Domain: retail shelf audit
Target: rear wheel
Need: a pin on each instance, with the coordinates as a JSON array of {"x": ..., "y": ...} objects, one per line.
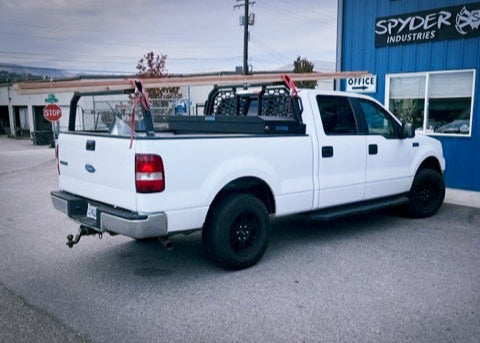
[
  {"x": 237, "y": 232},
  {"x": 427, "y": 193}
]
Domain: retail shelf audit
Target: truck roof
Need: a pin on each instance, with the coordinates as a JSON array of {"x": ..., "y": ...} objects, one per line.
[{"x": 306, "y": 92}]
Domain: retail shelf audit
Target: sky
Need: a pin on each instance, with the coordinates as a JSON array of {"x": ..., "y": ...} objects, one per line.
[{"x": 197, "y": 36}]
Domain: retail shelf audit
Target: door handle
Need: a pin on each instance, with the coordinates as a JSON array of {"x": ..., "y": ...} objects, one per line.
[
  {"x": 327, "y": 151},
  {"x": 372, "y": 149},
  {"x": 90, "y": 145}
]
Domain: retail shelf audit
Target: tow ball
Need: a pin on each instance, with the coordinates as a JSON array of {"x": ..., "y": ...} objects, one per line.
[{"x": 82, "y": 231}]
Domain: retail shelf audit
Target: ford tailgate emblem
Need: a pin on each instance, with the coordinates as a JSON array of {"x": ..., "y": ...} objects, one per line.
[{"x": 90, "y": 168}]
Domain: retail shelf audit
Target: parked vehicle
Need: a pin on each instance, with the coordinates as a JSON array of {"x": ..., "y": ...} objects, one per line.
[
  {"x": 325, "y": 154},
  {"x": 457, "y": 126}
]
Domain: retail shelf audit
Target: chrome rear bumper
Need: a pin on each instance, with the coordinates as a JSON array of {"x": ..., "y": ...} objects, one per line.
[{"x": 109, "y": 218}]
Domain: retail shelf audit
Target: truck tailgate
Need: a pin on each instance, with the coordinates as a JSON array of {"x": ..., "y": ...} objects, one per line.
[{"x": 99, "y": 168}]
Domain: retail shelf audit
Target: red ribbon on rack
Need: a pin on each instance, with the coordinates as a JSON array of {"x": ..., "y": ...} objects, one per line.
[
  {"x": 290, "y": 84},
  {"x": 140, "y": 98}
]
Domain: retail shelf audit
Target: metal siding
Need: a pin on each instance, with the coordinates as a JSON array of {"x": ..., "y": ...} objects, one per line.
[{"x": 359, "y": 53}]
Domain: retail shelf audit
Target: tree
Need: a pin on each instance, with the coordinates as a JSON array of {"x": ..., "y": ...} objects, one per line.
[
  {"x": 302, "y": 65},
  {"x": 152, "y": 65},
  {"x": 8, "y": 77}
]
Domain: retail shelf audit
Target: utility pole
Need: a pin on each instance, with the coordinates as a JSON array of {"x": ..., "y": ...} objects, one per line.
[
  {"x": 247, "y": 20},
  {"x": 245, "y": 40}
]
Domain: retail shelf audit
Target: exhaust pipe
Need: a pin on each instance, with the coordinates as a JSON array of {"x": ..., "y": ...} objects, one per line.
[{"x": 166, "y": 242}]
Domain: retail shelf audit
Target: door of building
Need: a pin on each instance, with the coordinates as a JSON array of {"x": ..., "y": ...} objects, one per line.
[{"x": 43, "y": 133}]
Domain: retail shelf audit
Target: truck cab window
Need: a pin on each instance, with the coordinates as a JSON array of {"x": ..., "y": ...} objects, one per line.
[
  {"x": 378, "y": 121},
  {"x": 337, "y": 115}
]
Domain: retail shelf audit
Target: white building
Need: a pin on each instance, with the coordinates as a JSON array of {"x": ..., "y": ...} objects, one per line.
[{"x": 22, "y": 115}]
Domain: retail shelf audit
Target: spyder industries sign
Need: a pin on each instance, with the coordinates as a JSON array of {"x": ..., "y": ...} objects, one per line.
[{"x": 453, "y": 22}]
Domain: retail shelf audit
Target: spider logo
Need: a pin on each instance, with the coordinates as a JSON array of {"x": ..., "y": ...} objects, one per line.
[{"x": 467, "y": 18}]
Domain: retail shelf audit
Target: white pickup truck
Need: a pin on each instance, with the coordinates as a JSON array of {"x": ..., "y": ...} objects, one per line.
[{"x": 251, "y": 157}]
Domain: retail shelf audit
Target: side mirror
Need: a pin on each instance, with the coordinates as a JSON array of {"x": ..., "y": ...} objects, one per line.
[{"x": 408, "y": 131}]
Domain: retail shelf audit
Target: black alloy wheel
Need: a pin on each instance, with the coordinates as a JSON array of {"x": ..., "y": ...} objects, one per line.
[
  {"x": 237, "y": 231},
  {"x": 427, "y": 193},
  {"x": 244, "y": 232}
]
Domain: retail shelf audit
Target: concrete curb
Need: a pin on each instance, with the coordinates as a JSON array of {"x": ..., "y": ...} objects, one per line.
[{"x": 462, "y": 197}]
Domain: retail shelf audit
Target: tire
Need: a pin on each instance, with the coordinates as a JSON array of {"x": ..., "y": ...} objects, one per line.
[
  {"x": 237, "y": 232},
  {"x": 427, "y": 193}
]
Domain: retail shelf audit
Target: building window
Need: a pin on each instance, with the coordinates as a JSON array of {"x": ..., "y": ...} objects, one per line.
[
  {"x": 407, "y": 99},
  {"x": 436, "y": 103}
]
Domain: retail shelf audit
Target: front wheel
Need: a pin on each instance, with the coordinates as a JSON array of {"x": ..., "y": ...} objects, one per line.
[
  {"x": 427, "y": 193},
  {"x": 237, "y": 231}
]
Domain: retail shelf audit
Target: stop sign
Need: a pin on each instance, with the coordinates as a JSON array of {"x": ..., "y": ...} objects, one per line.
[{"x": 52, "y": 112}]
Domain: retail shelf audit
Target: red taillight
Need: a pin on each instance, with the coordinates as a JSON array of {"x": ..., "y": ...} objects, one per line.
[
  {"x": 57, "y": 158},
  {"x": 149, "y": 174}
]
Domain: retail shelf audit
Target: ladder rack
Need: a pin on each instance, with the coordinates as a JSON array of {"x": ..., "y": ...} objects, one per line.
[{"x": 124, "y": 84}]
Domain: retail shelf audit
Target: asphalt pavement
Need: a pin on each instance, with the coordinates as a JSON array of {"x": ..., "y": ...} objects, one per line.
[
  {"x": 21, "y": 154},
  {"x": 372, "y": 278}
]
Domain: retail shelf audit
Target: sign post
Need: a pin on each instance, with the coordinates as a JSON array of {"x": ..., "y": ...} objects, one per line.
[{"x": 52, "y": 112}]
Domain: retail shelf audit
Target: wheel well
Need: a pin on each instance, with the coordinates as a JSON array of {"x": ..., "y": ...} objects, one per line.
[
  {"x": 431, "y": 163},
  {"x": 251, "y": 185}
]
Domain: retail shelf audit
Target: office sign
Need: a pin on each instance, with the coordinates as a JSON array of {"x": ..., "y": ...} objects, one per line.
[
  {"x": 364, "y": 84},
  {"x": 444, "y": 23}
]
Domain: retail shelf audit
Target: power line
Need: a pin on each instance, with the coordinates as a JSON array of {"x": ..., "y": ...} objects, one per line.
[
  {"x": 290, "y": 13},
  {"x": 103, "y": 43},
  {"x": 257, "y": 39},
  {"x": 127, "y": 59},
  {"x": 310, "y": 9},
  {"x": 157, "y": 33},
  {"x": 279, "y": 10},
  {"x": 55, "y": 28},
  {"x": 266, "y": 49}
]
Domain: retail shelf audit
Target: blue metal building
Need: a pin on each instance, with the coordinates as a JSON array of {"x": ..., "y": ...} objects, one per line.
[{"x": 426, "y": 55}]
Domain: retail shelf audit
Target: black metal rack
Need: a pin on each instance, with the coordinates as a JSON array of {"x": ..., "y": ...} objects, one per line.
[
  {"x": 269, "y": 109},
  {"x": 256, "y": 109}
]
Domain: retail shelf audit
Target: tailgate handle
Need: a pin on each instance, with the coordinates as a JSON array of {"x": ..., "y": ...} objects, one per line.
[{"x": 90, "y": 145}]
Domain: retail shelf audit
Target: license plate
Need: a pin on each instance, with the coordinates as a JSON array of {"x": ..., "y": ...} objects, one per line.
[{"x": 92, "y": 212}]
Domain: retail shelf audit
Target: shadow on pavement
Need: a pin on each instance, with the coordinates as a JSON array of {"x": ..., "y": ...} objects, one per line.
[{"x": 148, "y": 260}]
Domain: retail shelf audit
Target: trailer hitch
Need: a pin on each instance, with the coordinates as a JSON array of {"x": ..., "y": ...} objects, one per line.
[{"x": 82, "y": 231}]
